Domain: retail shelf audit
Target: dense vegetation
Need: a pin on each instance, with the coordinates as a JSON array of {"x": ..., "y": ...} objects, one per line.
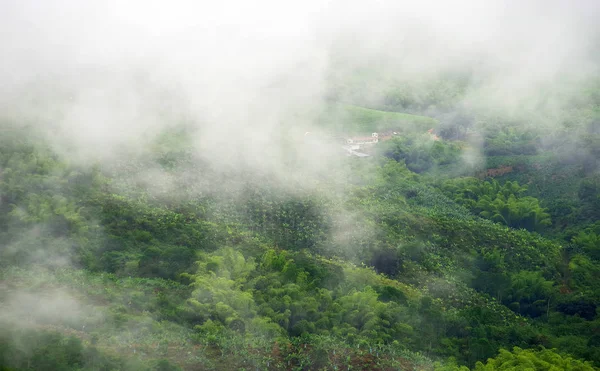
[{"x": 415, "y": 258}]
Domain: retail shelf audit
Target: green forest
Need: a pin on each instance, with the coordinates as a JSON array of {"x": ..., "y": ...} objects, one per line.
[
  {"x": 330, "y": 187},
  {"x": 410, "y": 259}
]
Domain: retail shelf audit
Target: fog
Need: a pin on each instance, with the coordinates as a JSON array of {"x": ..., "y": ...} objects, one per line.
[
  {"x": 98, "y": 75},
  {"x": 101, "y": 79}
]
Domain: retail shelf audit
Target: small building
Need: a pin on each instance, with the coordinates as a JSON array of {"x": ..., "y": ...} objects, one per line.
[{"x": 358, "y": 141}]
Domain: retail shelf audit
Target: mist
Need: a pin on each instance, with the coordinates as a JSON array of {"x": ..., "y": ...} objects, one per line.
[
  {"x": 240, "y": 83},
  {"x": 101, "y": 75}
]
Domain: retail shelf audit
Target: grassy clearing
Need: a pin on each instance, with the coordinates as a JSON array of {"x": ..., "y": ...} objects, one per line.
[{"x": 354, "y": 119}]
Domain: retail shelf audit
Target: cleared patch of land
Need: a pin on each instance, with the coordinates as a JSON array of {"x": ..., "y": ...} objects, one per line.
[{"x": 355, "y": 119}]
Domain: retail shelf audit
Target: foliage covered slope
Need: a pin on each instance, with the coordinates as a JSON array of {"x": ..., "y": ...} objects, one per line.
[{"x": 392, "y": 273}]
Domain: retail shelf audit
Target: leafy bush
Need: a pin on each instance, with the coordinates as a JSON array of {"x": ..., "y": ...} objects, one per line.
[{"x": 420, "y": 153}]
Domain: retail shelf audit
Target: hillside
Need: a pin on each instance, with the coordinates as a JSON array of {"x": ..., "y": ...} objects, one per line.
[
  {"x": 302, "y": 186},
  {"x": 396, "y": 271}
]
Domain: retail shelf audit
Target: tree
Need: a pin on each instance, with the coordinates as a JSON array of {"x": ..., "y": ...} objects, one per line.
[
  {"x": 534, "y": 360},
  {"x": 503, "y": 204},
  {"x": 530, "y": 293}
]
